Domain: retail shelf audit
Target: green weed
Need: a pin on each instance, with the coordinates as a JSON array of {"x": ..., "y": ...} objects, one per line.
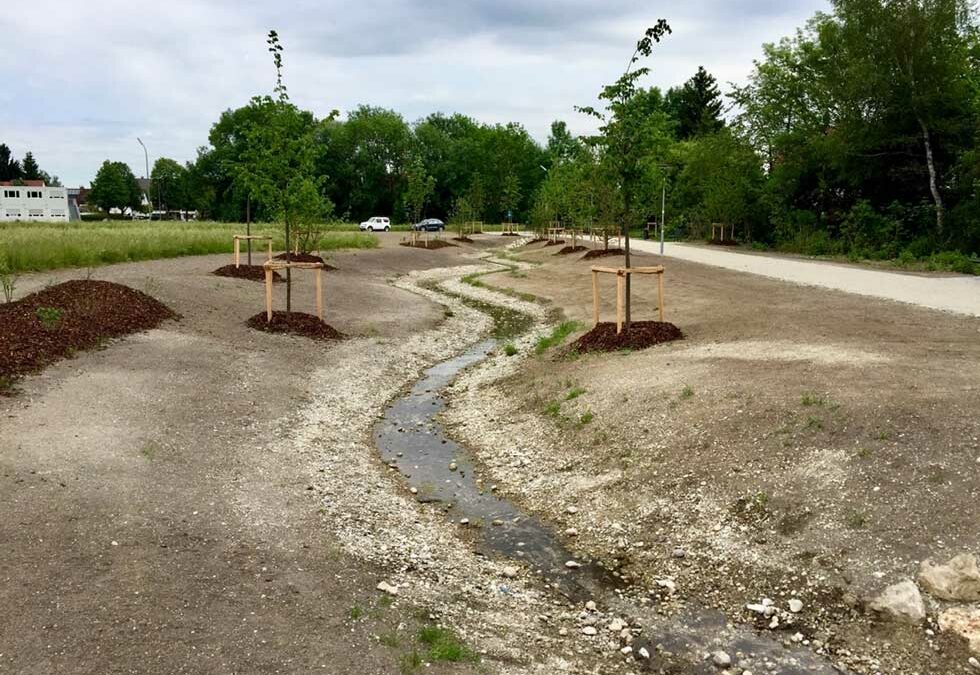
[
  {"x": 586, "y": 418},
  {"x": 686, "y": 392},
  {"x": 49, "y": 317},
  {"x": 811, "y": 399},
  {"x": 510, "y": 350},
  {"x": 557, "y": 336},
  {"x": 574, "y": 393},
  {"x": 356, "y": 613},
  {"x": 445, "y": 645},
  {"x": 553, "y": 409}
]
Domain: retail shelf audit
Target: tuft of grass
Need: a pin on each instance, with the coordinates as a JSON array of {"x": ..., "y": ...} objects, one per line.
[
  {"x": 356, "y": 613},
  {"x": 510, "y": 350},
  {"x": 445, "y": 645},
  {"x": 49, "y": 317},
  {"x": 389, "y": 640},
  {"x": 574, "y": 393},
  {"x": 6, "y": 385},
  {"x": 864, "y": 453},
  {"x": 809, "y": 399},
  {"x": 553, "y": 409},
  {"x": 586, "y": 418},
  {"x": 557, "y": 336},
  {"x": 686, "y": 392},
  {"x": 855, "y": 519},
  {"x": 386, "y": 601},
  {"x": 410, "y": 662},
  {"x": 814, "y": 423}
]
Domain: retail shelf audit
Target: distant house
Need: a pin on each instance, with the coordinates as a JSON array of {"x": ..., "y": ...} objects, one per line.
[{"x": 32, "y": 200}]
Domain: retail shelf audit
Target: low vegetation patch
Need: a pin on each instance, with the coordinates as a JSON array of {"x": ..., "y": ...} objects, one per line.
[
  {"x": 61, "y": 320},
  {"x": 47, "y": 246},
  {"x": 444, "y": 645},
  {"x": 557, "y": 336}
]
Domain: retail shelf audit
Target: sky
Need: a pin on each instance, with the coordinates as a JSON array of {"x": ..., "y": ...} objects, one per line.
[{"x": 85, "y": 79}]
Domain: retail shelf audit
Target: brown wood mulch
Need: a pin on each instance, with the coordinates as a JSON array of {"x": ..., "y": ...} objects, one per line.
[
  {"x": 249, "y": 272},
  {"x": 56, "y": 322},
  {"x": 465, "y": 240},
  {"x": 602, "y": 253},
  {"x": 642, "y": 334},
  {"x": 509, "y": 234},
  {"x": 537, "y": 240},
  {"x": 571, "y": 249},
  {"x": 295, "y": 323},
  {"x": 555, "y": 243},
  {"x": 432, "y": 244}
]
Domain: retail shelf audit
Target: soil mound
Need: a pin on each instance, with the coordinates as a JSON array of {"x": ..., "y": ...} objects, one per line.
[
  {"x": 249, "y": 272},
  {"x": 431, "y": 244},
  {"x": 602, "y": 253},
  {"x": 295, "y": 323},
  {"x": 509, "y": 234},
  {"x": 306, "y": 258},
  {"x": 536, "y": 240},
  {"x": 555, "y": 243},
  {"x": 466, "y": 240},
  {"x": 52, "y": 324},
  {"x": 571, "y": 249},
  {"x": 642, "y": 334}
]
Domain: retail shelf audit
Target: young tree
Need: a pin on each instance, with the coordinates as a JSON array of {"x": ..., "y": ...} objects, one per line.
[
  {"x": 277, "y": 160},
  {"x": 624, "y": 131},
  {"x": 115, "y": 187},
  {"x": 510, "y": 196},
  {"x": 418, "y": 189}
]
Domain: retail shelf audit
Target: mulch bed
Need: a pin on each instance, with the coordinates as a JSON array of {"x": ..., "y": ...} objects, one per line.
[
  {"x": 555, "y": 243},
  {"x": 250, "y": 272},
  {"x": 538, "y": 240},
  {"x": 432, "y": 244},
  {"x": 602, "y": 253},
  {"x": 642, "y": 334},
  {"x": 466, "y": 240},
  {"x": 509, "y": 234},
  {"x": 80, "y": 315},
  {"x": 295, "y": 323},
  {"x": 301, "y": 257},
  {"x": 571, "y": 249}
]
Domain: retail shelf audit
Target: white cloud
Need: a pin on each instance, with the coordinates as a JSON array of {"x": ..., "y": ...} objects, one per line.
[{"x": 90, "y": 77}]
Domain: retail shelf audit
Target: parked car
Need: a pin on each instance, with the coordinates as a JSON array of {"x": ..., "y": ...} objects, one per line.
[
  {"x": 376, "y": 224},
  {"x": 430, "y": 225}
]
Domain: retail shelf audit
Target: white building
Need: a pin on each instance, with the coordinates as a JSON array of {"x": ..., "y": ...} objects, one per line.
[{"x": 33, "y": 201}]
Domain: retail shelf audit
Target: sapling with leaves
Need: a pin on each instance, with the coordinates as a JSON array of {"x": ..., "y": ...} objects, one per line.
[
  {"x": 277, "y": 165},
  {"x": 623, "y": 133}
]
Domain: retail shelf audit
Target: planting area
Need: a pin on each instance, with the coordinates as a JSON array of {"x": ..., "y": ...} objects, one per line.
[{"x": 205, "y": 497}]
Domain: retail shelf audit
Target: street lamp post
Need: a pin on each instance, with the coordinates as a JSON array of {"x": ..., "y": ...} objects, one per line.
[{"x": 146, "y": 158}]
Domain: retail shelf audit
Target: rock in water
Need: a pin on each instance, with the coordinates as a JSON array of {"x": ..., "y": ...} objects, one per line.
[
  {"x": 901, "y": 601},
  {"x": 958, "y": 579},
  {"x": 721, "y": 659},
  {"x": 964, "y": 621}
]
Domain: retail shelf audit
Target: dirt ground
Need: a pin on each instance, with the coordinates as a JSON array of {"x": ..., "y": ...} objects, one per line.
[
  {"x": 207, "y": 498},
  {"x": 798, "y": 442},
  {"x": 147, "y": 528}
]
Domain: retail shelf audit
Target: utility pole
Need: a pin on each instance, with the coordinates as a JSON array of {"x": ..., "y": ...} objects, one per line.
[
  {"x": 663, "y": 214},
  {"x": 146, "y": 158}
]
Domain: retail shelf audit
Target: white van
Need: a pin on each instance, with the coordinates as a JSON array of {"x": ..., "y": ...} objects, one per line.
[{"x": 377, "y": 223}]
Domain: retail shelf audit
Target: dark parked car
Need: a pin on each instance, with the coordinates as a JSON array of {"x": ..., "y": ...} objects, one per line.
[{"x": 430, "y": 225}]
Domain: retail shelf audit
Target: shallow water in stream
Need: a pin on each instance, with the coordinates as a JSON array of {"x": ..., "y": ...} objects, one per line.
[{"x": 411, "y": 439}]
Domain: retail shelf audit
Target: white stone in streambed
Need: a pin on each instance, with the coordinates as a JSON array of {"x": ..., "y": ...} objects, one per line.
[
  {"x": 572, "y": 564},
  {"x": 964, "y": 621},
  {"x": 902, "y": 602},
  {"x": 958, "y": 579},
  {"x": 510, "y": 572},
  {"x": 589, "y": 630},
  {"x": 795, "y": 605},
  {"x": 721, "y": 659},
  {"x": 385, "y": 587}
]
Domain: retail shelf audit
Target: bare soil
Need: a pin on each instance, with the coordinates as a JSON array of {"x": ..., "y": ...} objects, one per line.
[{"x": 799, "y": 442}]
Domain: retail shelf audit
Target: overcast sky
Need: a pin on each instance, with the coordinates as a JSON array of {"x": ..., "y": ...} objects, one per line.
[{"x": 84, "y": 79}]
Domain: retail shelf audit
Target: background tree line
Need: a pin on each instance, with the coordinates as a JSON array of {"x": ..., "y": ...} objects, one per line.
[
  {"x": 14, "y": 170},
  {"x": 858, "y": 135}
]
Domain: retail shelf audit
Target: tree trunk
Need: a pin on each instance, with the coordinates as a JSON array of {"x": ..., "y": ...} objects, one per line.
[
  {"x": 933, "y": 187},
  {"x": 289, "y": 275}
]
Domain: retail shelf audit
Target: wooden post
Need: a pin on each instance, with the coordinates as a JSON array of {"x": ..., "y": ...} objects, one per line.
[
  {"x": 660, "y": 295},
  {"x": 595, "y": 298},
  {"x": 268, "y": 295},
  {"x": 270, "y": 248},
  {"x": 319, "y": 295},
  {"x": 238, "y": 248},
  {"x": 620, "y": 299}
]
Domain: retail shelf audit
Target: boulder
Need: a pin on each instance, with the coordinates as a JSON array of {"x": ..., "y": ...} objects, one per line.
[
  {"x": 958, "y": 579},
  {"x": 901, "y": 601},
  {"x": 964, "y": 621}
]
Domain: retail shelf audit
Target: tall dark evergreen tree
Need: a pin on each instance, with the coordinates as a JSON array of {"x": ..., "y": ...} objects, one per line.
[
  {"x": 31, "y": 170},
  {"x": 697, "y": 106},
  {"x": 10, "y": 168}
]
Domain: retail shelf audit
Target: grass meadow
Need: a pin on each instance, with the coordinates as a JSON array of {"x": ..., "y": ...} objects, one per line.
[{"x": 27, "y": 247}]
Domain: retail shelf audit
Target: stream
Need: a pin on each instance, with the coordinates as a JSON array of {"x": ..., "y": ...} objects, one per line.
[{"x": 442, "y": 473}]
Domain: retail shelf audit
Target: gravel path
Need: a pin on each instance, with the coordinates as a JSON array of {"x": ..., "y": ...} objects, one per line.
[{"x": 960, "y": 294}]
